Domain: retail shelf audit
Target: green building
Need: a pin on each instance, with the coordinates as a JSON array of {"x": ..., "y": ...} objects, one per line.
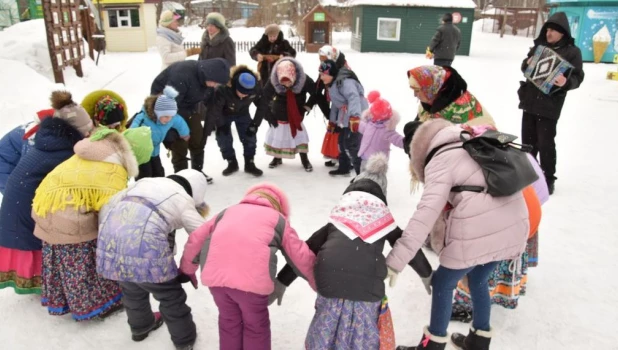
[
  {"x": 590, "y": 18},
  {"x": 406, "y": 25}
]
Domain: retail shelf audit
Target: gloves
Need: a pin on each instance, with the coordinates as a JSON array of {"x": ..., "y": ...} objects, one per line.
[
  {"x": 427, "y": 283},
  {"x": 428, "y": 54},
  {"x": 193, "y": 51},
  {"x": 331, "y": 127},
  {"x": 224, "y": 129},
  {"x": 277, "y": 294},
  {"x": 273, "y": 123},
  {"x": 182, "y": 278},
  {"x": 354, "y": 123},
  {"x": 251, "y": 130},
  {"x": 391, "y": 275}
]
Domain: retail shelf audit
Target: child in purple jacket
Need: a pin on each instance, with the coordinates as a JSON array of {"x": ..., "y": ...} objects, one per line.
[{"x": 378, "y": 125}]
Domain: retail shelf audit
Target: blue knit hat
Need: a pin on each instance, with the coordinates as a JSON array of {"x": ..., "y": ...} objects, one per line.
[
  {"x": 246, "y": 83},
  {"x": 166, "y": 103}
]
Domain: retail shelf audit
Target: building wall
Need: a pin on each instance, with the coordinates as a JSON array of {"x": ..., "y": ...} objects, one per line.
[
  {"x": 356, "y": 27},
  {"x": 126, "y": 39},
  {"x": 151, "y": 22},
  {"x": 418, "y": 25}
]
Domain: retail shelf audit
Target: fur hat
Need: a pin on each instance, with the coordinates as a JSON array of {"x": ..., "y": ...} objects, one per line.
[
  {"x": 286, "y": 70},
  {"x": 167, "y": 17},
  {"x": 376, "y": 169},
  {"x": 379, "y": 108},
  {"x": 74, "y": 114},
  {"x": 270, "y": 195},
  {"x": 165, "y": 106},
  {"x": 272, "y": 29},
  {"x": 216, "y": 19}
]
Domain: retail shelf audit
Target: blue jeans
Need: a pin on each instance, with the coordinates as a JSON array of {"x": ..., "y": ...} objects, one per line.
[
  {"x": 226, "y": 140},
  {"x": 349, "y": 144},
  {"x": 443, "y": 284}
]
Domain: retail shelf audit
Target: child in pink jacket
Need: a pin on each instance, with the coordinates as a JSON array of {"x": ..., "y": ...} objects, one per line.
[
  {"x": 236, "y": 250},
  {"x": 378, "y": 125}
]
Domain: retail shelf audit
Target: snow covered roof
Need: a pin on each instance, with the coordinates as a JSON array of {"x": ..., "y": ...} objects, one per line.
[
  {"x": 416, "y": 3},
  {"x": 335, "y": 3},
  {"x": 238, "y": 2},
  {"x": 172, "y": 5}
]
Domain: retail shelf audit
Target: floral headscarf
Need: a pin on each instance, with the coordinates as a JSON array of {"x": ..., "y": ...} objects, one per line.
[
  {"x": 429, "y": 79},
  {"x": 108, "y": 111}
]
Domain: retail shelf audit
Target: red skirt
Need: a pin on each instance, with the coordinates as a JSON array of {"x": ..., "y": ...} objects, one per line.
[{"x": 21, "y": 269}]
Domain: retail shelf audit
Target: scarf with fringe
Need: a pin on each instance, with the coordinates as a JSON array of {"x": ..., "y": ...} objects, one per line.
[{"x": 79, "y": 183}]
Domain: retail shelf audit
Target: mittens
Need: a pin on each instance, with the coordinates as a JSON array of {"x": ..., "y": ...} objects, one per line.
[
  {"x": 193, "y": 51},
  {"x": 427, "y": 283},
  {"x": 252, "y": 129},
  {"x": 182, "y": 278},
  {"x": 354, "y": 123},
  {"x": 277, "y": 294},
  {"x": 428, "y": 54},
  {"x": 391, "y": 276},
  {"x": 331, "y": 127}
]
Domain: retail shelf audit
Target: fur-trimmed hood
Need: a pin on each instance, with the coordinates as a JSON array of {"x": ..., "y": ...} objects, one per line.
[
  {"x": 114, "y": 148},
  {"x": 300, "y": 77},
  {"x": 238, "y": 70},
  {"x": 149, "y": 104},
  {"x": 269, "y": 195},
  {"x": 217, "y": 39},
  {"x": 430, "y": 134}
]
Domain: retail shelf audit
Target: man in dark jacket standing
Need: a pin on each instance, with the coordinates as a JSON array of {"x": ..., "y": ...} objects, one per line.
[
  {"x": 231, "y": 105},
  {"x": 192, "y": 80},
  {"x": 541, "y": 111},
  {"x": 445, "y": 42},
  {"x": 271, "y": 44}
]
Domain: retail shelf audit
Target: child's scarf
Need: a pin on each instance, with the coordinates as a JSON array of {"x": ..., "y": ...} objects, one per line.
[
  {"x": 294, "y": 117},
  {"x": 362, "y": 215}
]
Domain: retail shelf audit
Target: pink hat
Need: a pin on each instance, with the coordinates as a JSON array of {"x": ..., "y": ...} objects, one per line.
[
  {"x": 271, "y": 195},
  {"x": 286, "y": 70},
  {"x": 380, "y": 108}
]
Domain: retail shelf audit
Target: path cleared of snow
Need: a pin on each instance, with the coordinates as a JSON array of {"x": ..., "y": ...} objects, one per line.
[{"x": 571, "y": 298}]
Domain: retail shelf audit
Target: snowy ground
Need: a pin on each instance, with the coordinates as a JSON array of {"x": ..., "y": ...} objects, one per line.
[{"x": 571, "y": 301}]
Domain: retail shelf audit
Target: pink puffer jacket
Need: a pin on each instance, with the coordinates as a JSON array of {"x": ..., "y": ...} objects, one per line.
[{"x": 479, "y": 228}]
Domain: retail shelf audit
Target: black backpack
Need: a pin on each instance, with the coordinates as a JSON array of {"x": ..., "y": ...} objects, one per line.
[{"x": 505, "y": 164}]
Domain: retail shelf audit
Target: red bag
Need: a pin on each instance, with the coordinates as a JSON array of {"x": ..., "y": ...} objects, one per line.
[
  {"x": 385, "y": 326},
  {"x": 330, "y": 146}
]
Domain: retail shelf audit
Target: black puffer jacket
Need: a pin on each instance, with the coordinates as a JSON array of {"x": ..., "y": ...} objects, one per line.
[
  {"x": 445, "y": 42},
  {"x": 227, "y": 103},
  {"x": 531, "y": 99},
  {"x": 352, "y": 269},
  {"x": 189, "y": 79},
  {"x": 274, "y": 96},
  {"x": 265, "y": 47}
]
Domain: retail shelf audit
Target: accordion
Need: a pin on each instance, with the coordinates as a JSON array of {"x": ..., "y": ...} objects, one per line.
[{"x": 544, "y": 67}]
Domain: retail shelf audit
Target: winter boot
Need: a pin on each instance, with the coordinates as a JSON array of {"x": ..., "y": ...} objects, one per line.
[
  {"x": 475, "y": 340},
  {"x": 550, "y": 184},
  {"x": 111, "y": 311},
  {"x": 275, "y": 163},
  {"x": 304, "y": 158},
  {"x": 250, "y": 167},
  {"x": 330, "y": 163},
  {"x": 143, "y": 335},
  {"x": 339, "y": 172},
  {"x": 232, "y": 167},
  {"x": 429, "y": 342},
  {"x": 197, "y": 163},
  {"x": 185, "y": 347},
  {"x": 461, "y": 316}
]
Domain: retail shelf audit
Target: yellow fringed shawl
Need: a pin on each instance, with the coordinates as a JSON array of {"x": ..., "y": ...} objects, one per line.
[{"x": 78, "y": 182}]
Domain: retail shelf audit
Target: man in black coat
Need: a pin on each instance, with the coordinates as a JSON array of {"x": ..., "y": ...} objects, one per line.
[
  {"x": 272, "y": 43},
  {"x": 541, "y": 111},
  {"x": 445, "y": 42},
  {"x": 231, "y": 105},
  {"x": 192, "y": 80}
]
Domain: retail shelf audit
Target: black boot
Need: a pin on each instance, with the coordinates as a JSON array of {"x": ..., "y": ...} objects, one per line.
[
  {"x": 158, "y": 322},
  {"x": 475, "y": 340},
  {"x": 330, "y": 163},
  {"x": 429, "y": 342},
  {"x": 304, "y": 158},
  {"x": 464, "y": 316},
  {"x": 250, "y": 167},
  {"x": 275, "y": 163},
  {"x": 197, "y": 163},
  {"x": 339, "y": 172},
  {"x": 232, "y": 167}
]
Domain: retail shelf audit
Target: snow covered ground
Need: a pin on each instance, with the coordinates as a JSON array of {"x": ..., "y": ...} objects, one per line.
[{"x": 571, "y": 301}]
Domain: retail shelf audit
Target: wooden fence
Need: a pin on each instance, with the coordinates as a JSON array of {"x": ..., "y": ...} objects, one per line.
[{"x": 245, "y": 46}]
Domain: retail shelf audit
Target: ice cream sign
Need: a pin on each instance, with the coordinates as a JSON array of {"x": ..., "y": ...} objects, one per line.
[{"x": 600, "y": 42}]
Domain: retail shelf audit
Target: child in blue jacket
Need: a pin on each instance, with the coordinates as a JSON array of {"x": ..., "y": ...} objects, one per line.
[{"x": 160, "y": 114}]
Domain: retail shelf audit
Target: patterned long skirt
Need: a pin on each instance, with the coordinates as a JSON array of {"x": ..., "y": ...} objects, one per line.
[
  {"x": 71, "y": 283},
  {"x": 344, "y": 324},
  {"x": 21, "y": 270},
  {"x": 280, "y": 143}
]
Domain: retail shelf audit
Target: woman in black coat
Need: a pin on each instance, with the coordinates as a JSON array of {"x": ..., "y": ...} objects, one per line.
[{"x": 272, "y": 43}]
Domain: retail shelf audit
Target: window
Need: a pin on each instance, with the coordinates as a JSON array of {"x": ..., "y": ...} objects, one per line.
[
  {"x": 389, "y": 29},
  {"x": 123, "y": 18}
]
